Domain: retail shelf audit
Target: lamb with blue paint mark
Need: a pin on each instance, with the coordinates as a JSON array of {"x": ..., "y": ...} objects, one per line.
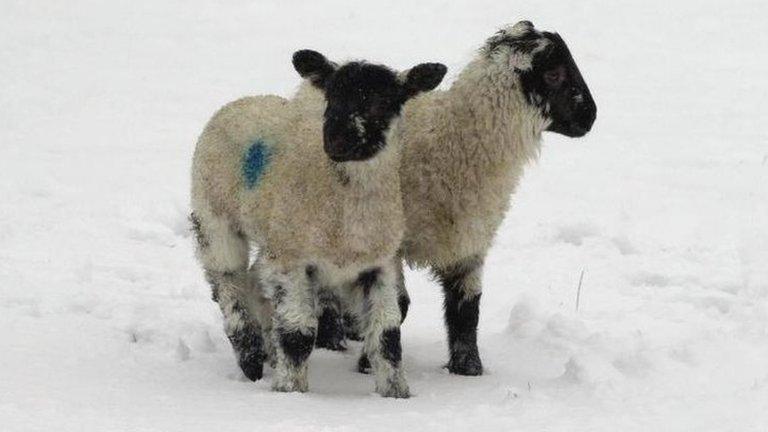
[{"x": 319, "y": 196}]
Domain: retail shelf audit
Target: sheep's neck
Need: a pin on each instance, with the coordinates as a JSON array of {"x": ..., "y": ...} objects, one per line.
[
  {"x": 503, "y": 131},
  {"x": 371, "y": 217}
]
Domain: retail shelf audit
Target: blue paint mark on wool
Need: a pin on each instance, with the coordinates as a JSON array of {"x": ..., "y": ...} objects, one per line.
[{"x": 255, "y": 162}]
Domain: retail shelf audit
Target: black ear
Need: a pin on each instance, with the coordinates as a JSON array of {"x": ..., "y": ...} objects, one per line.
[
  {"x": 423, "y": 77},
  {"x": 313, "y": 66}
]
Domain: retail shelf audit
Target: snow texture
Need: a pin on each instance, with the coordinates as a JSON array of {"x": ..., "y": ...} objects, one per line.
[{"x": 106, "y": 322}]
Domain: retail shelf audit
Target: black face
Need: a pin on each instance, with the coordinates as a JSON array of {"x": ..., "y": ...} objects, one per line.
[
  {"x": 363, "y": 100},
  {"x": 554, "y": 83}
]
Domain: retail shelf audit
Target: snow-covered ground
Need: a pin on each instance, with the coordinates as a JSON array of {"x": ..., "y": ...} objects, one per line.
[{"x": 106, "y": 322}]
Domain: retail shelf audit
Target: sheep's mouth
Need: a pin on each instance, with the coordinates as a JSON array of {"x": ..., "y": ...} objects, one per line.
[
  {"x": 349, "y": 157},
  {"x": 577, "y": 131},
  {"x": 572, "y": 130},
  {"x": 341, "y": 152},
  {"x": 576, "y": 126}
]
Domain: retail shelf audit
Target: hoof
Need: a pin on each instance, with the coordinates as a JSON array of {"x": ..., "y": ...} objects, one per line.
[
  {"x": 397, "y": 390},
  {"x": 363, "y": 364},
  {"x": 248, "y": 345},
  {"x": 288, "y": 389},
  {"x": 466, "y": 363},
  {"x": 290, "y": 386},
  {"x": 353, "y": 335},
  {"x": 252, "y": 368},
  {"x": 350, "y": 328},
  {"x": 331, "y": 343},
  {"x": 330, "y": 332}
]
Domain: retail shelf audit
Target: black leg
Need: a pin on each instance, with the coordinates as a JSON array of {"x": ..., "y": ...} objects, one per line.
[
  {"x": 363, "y": 364},
  {"x": 330, "y": 324},
  {"x": 351, "y": 327},
  {"x": 462, "y": 289}
]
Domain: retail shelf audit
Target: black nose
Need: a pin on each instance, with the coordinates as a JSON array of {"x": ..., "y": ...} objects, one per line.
[
  {"x": 591, "y": 116},
  {"x": 349, "y": 147},
  {"x": 586, "y": 114},
  {"x": 337, "y": 147}
]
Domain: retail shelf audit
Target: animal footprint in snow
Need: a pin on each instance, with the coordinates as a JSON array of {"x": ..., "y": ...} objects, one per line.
[
  {"x": 577, "y": 232},
  {"x": 650, "y": 279}
]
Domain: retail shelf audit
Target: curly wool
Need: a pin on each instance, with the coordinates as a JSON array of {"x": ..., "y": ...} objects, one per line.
[
  {"x": 464, "y": 152},
  {"x": 260, "y": 165}
]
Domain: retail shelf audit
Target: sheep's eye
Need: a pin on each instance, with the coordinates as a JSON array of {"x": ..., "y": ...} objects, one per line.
[{"x": 555, "y": 77}]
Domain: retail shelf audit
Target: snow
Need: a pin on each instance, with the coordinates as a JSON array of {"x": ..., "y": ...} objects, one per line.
[{"x": 107, "y": 324}]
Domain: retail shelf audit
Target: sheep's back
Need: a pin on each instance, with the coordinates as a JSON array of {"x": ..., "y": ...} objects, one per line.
[{"x": 222, "y": 149}]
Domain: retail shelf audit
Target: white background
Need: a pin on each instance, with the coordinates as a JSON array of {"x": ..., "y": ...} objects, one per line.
[{"x": 106, "y": 322}]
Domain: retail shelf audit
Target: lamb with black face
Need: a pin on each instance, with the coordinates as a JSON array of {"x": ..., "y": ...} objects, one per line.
[
  {"x": 523, "y": 81},
  {"x": 553, "y": 82},
  {"x": 363, "y": 100}
]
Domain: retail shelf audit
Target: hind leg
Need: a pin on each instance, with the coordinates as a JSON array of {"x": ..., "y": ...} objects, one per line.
[
  {"x": 261, "y": 309},
  {"x": 223, "y": 253},
  {"x": 330, "y": 327}
]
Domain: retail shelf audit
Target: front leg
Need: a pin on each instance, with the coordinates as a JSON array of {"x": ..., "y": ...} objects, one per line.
[
  {"x": 294, "y": 325},
  {"x": 381, "y": 317},
  {"x": 403, "y": 302},
  {"x": 462, "y": 287}
]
